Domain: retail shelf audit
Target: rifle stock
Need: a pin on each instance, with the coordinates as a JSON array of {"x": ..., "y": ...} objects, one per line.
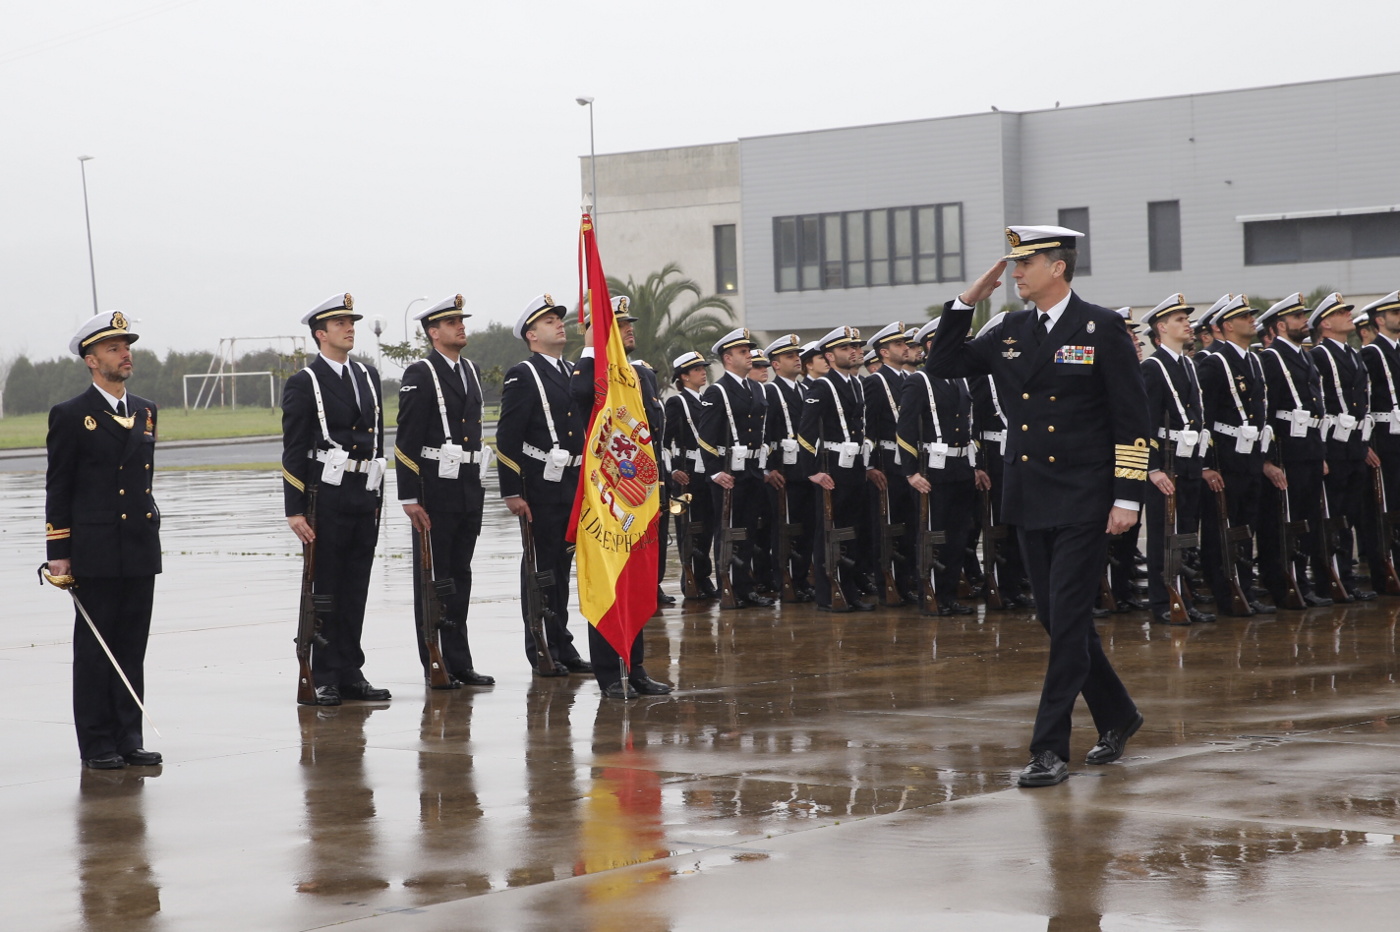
[
  {"x": 537, "y": 610},
  {"x": 928, "y": 542},
  {"x": 1289, "y": 532},
  {"x": 689, "y": 528},
  {"x": 1229, "y": 536},
  {"x": 787, "y": 532},
  {"x": 992, "y": 536},
  {"x": 311, "y": 609},
  {"x": 1385, "y": 531},
  {"x": 888, "y": 533},
  {"x": 1173, "y": 542},
  {"x": 728, "y": 534},
  {"x": 430, "y": 593},
  {"x": 834, "y": 536},
  {"x": 1330, "y": 534}
]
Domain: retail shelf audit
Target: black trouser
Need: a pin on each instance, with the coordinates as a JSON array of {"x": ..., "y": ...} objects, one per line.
[
  {"x": 764, "y": 555},
  {"x": 1188, "y": 521},
  {"x": 345, "y": 544},
  {"x": 1305, "y": 504},
  {"x": 1242, "y": 497},
  {"x": 1010, "y": 573},
  {"x": 949, "y": 511},
  {"x": 743, "y": 513},
  {"x": 607, "y": 666},
  {"x": 663, "y": 532},
  {"x": 1119, "y": 561},
  {"x": 846, "y": 511},
  {"x": 555, "y": 555},
  {"x": 107, "y": 720},
  {"x": 701, "y": 511},
  {"x": 1348, "y": 484},
  {"x": 453, "y": 537},
  {"x": 1065, "y": 564},
  {"x": 799, "y": 511},
  {"x": 903, "y": 508}
]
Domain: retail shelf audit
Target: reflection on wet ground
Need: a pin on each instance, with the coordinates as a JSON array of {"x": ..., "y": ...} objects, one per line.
[{"x": 811, "y": 772}]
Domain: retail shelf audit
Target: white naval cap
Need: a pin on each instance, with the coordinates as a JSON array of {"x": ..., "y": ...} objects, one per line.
[
  {"x": 339, "y": 305},
  {"x": 928, "y": 329},
  {"x": 1362, "y": 318},
  {"x": 911, "y": 333},
  {"x": 99, "y": 327},
  {"x": 869, "y": 357},
  {"x": 1173, "y": 303},
  {"x": 788, "y": 343},
  {"x": 539, "y": 306},
  {"x": 1027, "y": 241},
  {"x": 890, "y": 333},
  {"x": 1208, "y": 318},
  {"x": 997, "y": 318},
  {"x": 840, "y": 336},
  {"x": 739, "y": 336},
  {"x": 621, "y": 311},
  {"x": 759, "y": 359},
  {"x": 687, "y": 361},
  {"x": 809, "y": 350},
  {"x": 1292, "y": 304},
  {"x": 1237, "y": 306},
  {"x": 1127, "y": 314},
  {"x": 443, "y": 310},
  {"x": 1390, "y": 302},
  {"x": 1332, "y": 304}
]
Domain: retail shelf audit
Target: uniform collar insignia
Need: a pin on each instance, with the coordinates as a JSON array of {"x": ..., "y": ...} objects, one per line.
[{"x": 1009, "y": 340}]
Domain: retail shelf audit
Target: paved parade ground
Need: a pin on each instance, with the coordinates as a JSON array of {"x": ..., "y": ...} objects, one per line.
[{"x": 811, "y": 772}]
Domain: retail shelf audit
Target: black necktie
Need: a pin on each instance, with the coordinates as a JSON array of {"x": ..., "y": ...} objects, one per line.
[
  {"x": 121, "y": 408},
  {"x": 462, "y": 376},
  {"x": 1042, "y": 328},
  {"x": 349, "y": 384},
  {"x": 563, "y": 369}
]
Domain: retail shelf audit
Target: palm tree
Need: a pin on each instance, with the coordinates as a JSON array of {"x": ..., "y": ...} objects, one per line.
[{"x": 663, "y": 330}]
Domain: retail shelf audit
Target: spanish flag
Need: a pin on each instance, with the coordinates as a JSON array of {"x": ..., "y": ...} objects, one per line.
[{"x": 617, "y": 509}]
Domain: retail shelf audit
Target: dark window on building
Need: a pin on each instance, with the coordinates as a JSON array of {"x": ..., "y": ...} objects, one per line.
[
  {"x": 1164, "y": 236},
  {"x": 1322, "y": 239},
  {"x": 726, "y": 259},
  {"x": 859, "y": 248},
  {"x": 1077, "y": 219}
]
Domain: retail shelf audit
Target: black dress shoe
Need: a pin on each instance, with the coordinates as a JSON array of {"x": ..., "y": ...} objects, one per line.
[
  {"x": 647, "y": 686},
  {"x": 910, "y": 597},
  {"x": 1316, "y": 601},
  {"x": 664, "y": 599},
  {"x": 105, "y": 762},
  {"x": 1021, "y": 601},
  {"x": 472, "y": 678},
  {"x": 578, "y": 665},
  {"x": 1112, "y": 742},
  {"x": 1262, "y": 608},
  {"x": 559, "y": 670},
  {"x": 1199, "y": 617},
  {"x": 1362, "y": 595},
  {"x": 1165, "y": 617},
  {"x": 838, "y": 611},
  {"x": 364, "y": 692},
  {"x": 858, "y": 605},
  {"x": 754, "y": 599},
  {"x": 1045, "y": 769},
  {"x": 954, "y": 608},
  {"x": 621, "y": 690},
  {"x": 1130, "y": 605},
  {"x": 1101, "y": 613},
  {"x": 142, "y": 758},
  {"x": 327, "y": 695}
]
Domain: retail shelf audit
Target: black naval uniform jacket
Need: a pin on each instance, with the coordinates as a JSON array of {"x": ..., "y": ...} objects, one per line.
[
  {"x": 954, "y": 404},
  {"x": 682, "y": 410},
  {"x": 358, "y": 429},
  {"x": 1339, "y": 366},
  {"x": 1077, "y": 432},
  {"x": 523, "y": 422},
  {"x": 1221, "y": 370},
  {"x": 420, "y": 425},
  {"x": 581, "y": 387},
  {"x": 1166, "y": 416},
  {"x": 1286, "y": 364},
  {"x": 98, "y": 502},
  {"x": 1382, "y": 359},
  {"x": 819, "y": 432},
  {"x": 883, "y": 391},
  {"x": 749, "y": 411},
  {"x": 784, "y": 418}
]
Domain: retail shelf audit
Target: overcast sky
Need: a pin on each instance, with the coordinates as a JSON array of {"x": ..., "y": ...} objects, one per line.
[{"x": 252, "y": 158}]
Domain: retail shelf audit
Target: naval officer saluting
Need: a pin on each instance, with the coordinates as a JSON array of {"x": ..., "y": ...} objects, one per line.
[
  {"x": 1076, "y": 469},
  {"x": 104, "y": 539}
]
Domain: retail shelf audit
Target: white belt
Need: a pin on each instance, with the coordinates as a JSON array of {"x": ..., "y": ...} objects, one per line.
[
  {"x": 1288, "y": 416},
  {"x": 535, "y": 453},
  {"x": 321, "y": 456},
  {"x": 1229, "y": 430},
  {"x": 432, "y": 453},
  {"x": 1386, "y": 417},
  {"x": 996, "y": 436},
  {"x": 888, "y": 445},
  {"x": 953, "y": 452},
  {"x": 1171, "y": 434}
]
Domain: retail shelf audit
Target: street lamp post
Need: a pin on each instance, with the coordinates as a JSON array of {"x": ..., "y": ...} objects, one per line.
[
  {"x": 87, "y": 218},
  {"x": 592, "y": 158},
  {"x": 408, "y": 337}
]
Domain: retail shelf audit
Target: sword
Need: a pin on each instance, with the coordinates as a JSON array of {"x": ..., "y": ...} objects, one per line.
[{"x": 66, "y": 583}]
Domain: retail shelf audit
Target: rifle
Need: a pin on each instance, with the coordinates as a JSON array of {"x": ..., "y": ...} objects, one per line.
[
  {"x": 689, "y": 528},
  {"x": 928, "y": 542},
  {"x": 537, "y": 610},
  {"x": 1330, "y": 533},
  {"x": 787, "y": 533},
  {"x": 1289, "y": 532},
  {"x": 1173, "y": 542},
  {"x": 888, "y": 533},
  {"x": 834, "y": 558},
  {"x": 992, "y": 535},
  {"x": 431, "y": 592},
  {"x": 1385, "y": 531},
  {"x": 1229, "y": 536},
  {"x": 312, "y": 608},
  {"x": 728, "y": 534}
]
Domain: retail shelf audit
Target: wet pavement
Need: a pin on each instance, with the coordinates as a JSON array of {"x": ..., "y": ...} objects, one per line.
[{"x": 811, "y": 772}]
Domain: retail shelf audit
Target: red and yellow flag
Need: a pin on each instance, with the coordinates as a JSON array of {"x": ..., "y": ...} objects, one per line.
[{"x": 617, "y": 509}]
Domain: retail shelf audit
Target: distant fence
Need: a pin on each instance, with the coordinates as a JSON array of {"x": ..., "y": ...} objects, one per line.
[{"x": 211, "y": 384}]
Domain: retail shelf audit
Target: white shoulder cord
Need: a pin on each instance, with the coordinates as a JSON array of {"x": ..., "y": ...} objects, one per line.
[
  {"x": 442, "y": 402},
  {"x": 733, "y": 428},
  {"x": 375, "y": 395},
  {"x": 996, "y": 402},
  {"x": 320, "y": 408},
  {"x": 1180, "y": 408},
  {"x": 840, "y": 411},
  {"x": 1234, "y": 392},
  {"x": 1389, "y": 379},
  {"x": 932, "y": 408},
  {"x": 694, "y": 432},
  {"x": 787, "y": 417},
  {"x": 1288, "y": 377},
  {"x": 544, "y": 400}
]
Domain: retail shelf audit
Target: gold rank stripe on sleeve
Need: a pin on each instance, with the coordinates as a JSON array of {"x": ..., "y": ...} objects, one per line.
[
  {"x": 514, "y": 466},
  {"x": 403, "y": 458},
  {"x": 1130, "y": 460},
  {"x": 293, "y": 481},
  {"x": 53, "y": 533},
  {"x": 907, "y": 446},
  {"x": 807, "y": 446},
  {"x": 706, "y": 447}
]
